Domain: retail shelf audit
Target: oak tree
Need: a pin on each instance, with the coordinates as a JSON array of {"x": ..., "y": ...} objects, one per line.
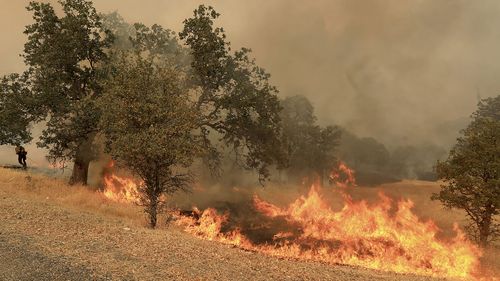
[
  {"x": 471, "y": 172},
  {"x": 63, "y": 54},
  {"x": 239, "y": 106},
  {"x": 149, "y": 121}
]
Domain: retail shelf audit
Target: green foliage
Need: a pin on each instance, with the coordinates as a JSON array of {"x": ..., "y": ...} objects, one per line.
[
  {"x": 237, "y": 103},
  {"x": 310, "y": 148},
  {"x": 63, "y": 55},
  {"x": 156, "y": 41},
  {"x": 149, "y": 123},
  {"x": 470, "y": 173},
  {"x": 209, "y": 50},
  {"x": 15, "y": 113}
]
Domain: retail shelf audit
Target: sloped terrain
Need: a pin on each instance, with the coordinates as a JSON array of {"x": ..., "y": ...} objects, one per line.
[{"x": 49, "y": 231}]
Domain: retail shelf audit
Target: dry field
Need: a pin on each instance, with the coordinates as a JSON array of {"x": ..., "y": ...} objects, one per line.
[{"x": 50, "y": 231}]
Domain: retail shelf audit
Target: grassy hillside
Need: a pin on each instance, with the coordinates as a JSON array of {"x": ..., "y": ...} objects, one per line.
[{"x": 110, "y": 240}]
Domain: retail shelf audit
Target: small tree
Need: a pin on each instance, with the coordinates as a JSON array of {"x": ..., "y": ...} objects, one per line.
[
  {"x": 470, "y": 173},
  {"x": 148, "y": 122}
]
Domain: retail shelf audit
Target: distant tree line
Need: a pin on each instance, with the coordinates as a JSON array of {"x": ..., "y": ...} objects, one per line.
[
  {"x": 311, "y": 149},
  {"x": 375, "y": 163},
  {"x": 316, "y": 150}
]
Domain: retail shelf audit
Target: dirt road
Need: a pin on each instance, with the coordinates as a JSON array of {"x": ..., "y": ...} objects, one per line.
[{"x": 21, "y": 260}]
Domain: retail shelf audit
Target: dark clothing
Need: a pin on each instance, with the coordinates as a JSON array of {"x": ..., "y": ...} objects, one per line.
[
  {"x": 22, "y": 159},
  {"x": 21, "y": 155}
]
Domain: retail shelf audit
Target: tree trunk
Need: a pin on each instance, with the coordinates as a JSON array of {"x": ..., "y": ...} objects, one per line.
[
  {"x": 485, "y": 226},
  {"x": 153, "y": 196},
  {"x": 80, "y": 170},
  {"x": 484, "y": 233},
  {"x": 152, "y": 216},
  {"x": 152, "y": 209}
]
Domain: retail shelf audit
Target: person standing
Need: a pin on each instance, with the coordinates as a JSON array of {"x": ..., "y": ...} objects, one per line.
[{"x": 21, "y": 155}]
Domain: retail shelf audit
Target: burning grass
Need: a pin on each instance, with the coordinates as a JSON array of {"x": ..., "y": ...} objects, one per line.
[
  {"x": 378, "y": 237},
  {"x": 38, "y": 186},
  {"x": 378, "y": 233},
  {"x": 324, "y": 225}
]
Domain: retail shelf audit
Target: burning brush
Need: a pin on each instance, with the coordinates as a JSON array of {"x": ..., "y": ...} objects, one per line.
[
  {"x": 385, "y": 236},
  {"x": 374, "y": 236},
  {"x": 120, "y": 188}
]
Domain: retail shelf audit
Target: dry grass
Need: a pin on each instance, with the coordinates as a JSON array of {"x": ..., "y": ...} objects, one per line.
[
  {"x": 55, "y": 191},
  {"x": 67, "y": 229}
]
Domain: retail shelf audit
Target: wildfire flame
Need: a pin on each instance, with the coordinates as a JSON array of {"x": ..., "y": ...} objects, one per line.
[
  {"x": 208, "y": 225},
  {"x": 385, "y": 235},
  {"x": 343, "y": 176},
  {"x": 120, "y": 188},
  {"x": 379, "y": 236},
  {"x": 370, "y": 236}
]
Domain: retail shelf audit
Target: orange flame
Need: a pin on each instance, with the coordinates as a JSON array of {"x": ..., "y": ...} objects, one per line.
[
  {"x": 379, "y": 236},
  {"x": 343, "y": 176},
  {"x": 370, "y": 236},
  {"x": 208, "y": 224},
  {"x": 119, "y": 188}
]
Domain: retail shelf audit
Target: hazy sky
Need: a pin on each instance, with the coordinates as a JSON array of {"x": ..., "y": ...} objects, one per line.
[{"x": 396, "y": 70}]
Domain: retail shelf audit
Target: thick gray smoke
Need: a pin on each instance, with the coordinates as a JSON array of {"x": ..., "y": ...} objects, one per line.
[{"x": 404, "y": 72}]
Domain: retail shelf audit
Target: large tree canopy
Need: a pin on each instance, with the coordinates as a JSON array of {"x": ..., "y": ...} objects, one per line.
[
  {"x": 63, "y": 54},
  {"x": 68, "y": 57},
  {"x": 155, "y": 41},
  {"x": 471, "y": 172},
  {"x": 238, "y": 105}
]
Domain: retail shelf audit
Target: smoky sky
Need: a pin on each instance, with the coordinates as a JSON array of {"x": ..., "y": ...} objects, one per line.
[{"x": 399, "y": 71}]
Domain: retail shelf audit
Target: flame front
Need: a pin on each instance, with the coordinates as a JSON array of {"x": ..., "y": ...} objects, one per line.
[
  {"x": 385, "y": 236},
  {"x": 372, "y": 237},
  {"x": 119, "y": 188},
  {"x": 379, "y": 236},
  {"x": 208, "y": 225}
]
